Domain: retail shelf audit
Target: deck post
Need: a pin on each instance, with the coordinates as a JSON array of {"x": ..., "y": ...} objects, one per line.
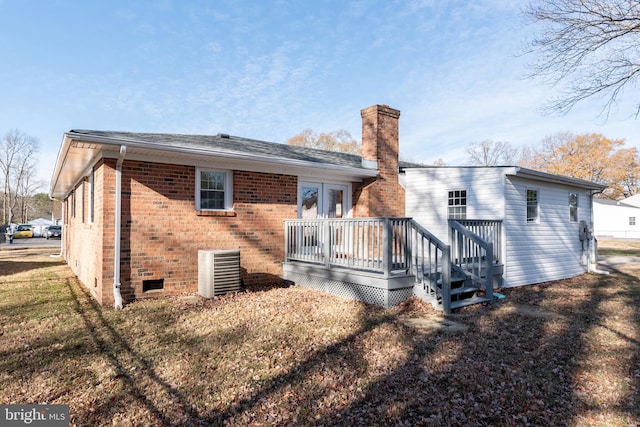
[
  {"x": 287, "y": 247},
  {"x": 326, "y": 239},
  {"x": 387, "y": 247},
  {"x": 408, "y": 248},
  {"x": 489, "y": 285},
  {"x": 446, "y": 281}
]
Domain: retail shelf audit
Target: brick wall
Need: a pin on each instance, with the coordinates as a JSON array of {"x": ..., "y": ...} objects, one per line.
[
  {"x": 162, "y": 232},
  {"x": 83, "y": 238}
]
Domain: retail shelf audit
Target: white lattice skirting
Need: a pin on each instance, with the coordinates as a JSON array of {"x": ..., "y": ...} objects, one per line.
[{"x": 361, "y": 286}]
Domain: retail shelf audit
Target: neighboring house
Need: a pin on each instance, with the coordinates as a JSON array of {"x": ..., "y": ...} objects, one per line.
[
  {"x": 617, "y": 219},
  {"x": 39, "y": 225},
  {"x": 138, "y": 207},
  {"x": 539, "y": 216}
]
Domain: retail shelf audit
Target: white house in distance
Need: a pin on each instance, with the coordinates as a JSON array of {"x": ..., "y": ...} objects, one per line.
[
  {"x": 617, "y": 218},
  {"x": 544, "y": 220}
]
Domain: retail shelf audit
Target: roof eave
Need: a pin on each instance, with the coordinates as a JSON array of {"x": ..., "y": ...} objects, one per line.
[
  {"x": 557, "y": 179},
  {"x": 103, "y": 144}
]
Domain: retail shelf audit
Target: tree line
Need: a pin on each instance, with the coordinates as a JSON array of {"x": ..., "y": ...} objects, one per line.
[
  {"x": 589, "y": 156},
  {"x": 21, "y": 201}
]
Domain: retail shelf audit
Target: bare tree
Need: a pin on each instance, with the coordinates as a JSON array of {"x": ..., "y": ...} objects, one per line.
[
  {"x": 17, "y": 167},
  {"x": 492, "y": 153},
  {"x": 588, "y": 47}
]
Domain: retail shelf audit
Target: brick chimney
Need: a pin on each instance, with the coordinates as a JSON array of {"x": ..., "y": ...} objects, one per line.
[{"x": 383, "y": 196}]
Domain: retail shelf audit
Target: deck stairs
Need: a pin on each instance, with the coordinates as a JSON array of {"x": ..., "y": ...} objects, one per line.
[
  {"x": 463, "y": 291},
  {"x": 458, "y": 277}
]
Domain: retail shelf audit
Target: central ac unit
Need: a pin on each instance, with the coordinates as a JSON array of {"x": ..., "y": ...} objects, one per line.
[{"x": 218, "y": 272}]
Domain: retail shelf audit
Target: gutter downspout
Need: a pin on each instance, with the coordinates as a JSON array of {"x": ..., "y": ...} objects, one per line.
[
  {"x": 592, "y": 266},
  {"x": 117, "y": 297}
]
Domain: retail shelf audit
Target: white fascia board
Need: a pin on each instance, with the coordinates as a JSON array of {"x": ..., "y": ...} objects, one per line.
[
  {"x": 62, "y": 155},
  {"x": 254, "y": 164},
  {"x": 556, "y": 179}
]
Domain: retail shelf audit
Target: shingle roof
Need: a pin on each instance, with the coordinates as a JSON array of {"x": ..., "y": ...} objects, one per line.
[
  {"x": 232, "y": 145},
  {"x": 236, "y": 145}
]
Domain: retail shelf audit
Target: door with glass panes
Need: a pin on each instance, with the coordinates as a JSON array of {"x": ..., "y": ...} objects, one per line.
[{"x": 322, "y": 200}]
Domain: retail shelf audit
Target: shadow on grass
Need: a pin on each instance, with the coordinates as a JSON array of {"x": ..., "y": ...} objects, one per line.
[
  {"x": 132, "y": 368},
  {"x": 16, "y": 267},
  {"x": 513, "y": 370},
  {"x": 508, "y": 369}
]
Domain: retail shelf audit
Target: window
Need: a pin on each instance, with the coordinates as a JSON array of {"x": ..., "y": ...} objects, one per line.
[
  {"x": 82, "y": 195},
  {"x": 573, "y": 207},
  {"x": 91, "y": 195},
  {"x": 532, "y": 205},
  {"x": 632, "y": 220},
  {"x": 73, "y": 203},
  {"x": 457, "y": 204},
  {"x": 213, "y": 190}
]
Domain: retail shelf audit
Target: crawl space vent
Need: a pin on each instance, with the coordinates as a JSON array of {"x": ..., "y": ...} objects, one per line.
[{"x": 218, "y": 272}]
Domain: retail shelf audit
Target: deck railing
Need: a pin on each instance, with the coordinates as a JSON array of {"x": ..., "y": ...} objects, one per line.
[
  {"x": 473, "y": 255},
  {"x": 391, "y": 246},
  {"x": 488, "y": 230},
  {"x": 373, "y": 244},
  {"x": 431, "y": 264},
  {"x": 381, "y": 245}
]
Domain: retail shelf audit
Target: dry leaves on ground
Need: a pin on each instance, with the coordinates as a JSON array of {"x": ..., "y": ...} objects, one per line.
[{"x": 562, "y": 353}]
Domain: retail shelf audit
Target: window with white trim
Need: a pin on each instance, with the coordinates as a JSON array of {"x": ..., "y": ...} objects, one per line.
[
  {"x": 82, "y": 196},
  {"x": 532, "y": 206},
  {"x": 92, "y": 195},
  {"x": 457, "y": 204},
  {"x": 632, "y": 220},
  {"x": 573, "y": 207},
  {"x": 213, "y": 190}
]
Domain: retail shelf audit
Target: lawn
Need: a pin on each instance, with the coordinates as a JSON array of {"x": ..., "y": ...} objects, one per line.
[{"x": 562, "y": 353}]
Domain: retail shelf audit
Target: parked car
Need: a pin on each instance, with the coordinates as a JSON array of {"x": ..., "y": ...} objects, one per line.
[
  {"x": 53, "y": 232},
  {"x": 23, "y": 231}
]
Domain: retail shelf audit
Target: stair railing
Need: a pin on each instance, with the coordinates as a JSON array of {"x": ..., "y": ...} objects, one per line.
[
  {"x": 431, "y": 264},
  {"x": 472, "y": 255}
]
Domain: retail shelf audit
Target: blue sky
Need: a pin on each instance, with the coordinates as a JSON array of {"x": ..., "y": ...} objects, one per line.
[{"x": 270, "y": 69}]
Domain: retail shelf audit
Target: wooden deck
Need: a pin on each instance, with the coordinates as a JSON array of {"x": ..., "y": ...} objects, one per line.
[{"x": 385, "y": 260}]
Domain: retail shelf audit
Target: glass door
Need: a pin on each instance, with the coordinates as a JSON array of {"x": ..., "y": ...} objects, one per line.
[{"x": 319, "y": 200}]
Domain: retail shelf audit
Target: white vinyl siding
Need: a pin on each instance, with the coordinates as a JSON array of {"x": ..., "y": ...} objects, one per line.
[
  {"x": 549, "y": 249},
  {"x": 427, "y": 192},
  {"x": 552, "y": 249}
]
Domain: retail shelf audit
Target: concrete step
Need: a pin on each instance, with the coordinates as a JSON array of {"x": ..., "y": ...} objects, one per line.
[
  {"x": 469, "y": 301},
  {"x": 463, "y": 290}
]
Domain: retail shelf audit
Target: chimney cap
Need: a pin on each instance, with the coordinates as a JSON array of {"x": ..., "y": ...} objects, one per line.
[{"x": 381, "y": 109}]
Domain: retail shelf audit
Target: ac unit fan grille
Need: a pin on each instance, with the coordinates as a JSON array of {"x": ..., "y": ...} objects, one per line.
[{"x": 218, "y": 272}]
